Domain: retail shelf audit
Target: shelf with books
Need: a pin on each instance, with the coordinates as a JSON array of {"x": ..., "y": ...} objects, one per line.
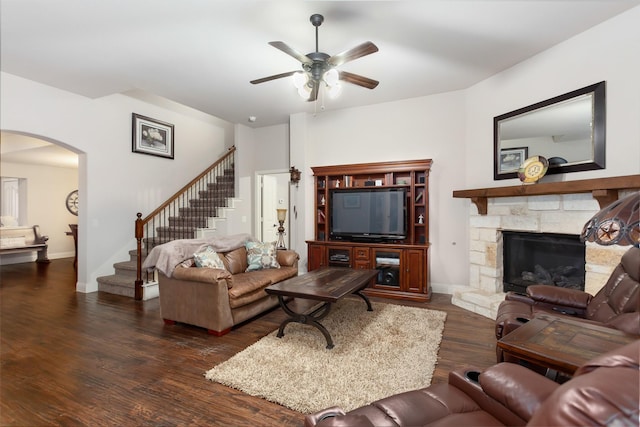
[
  {"x": 402, "y": 179},
  {"x": 321, "y": 189},
  {"x": 322, "y": 217}
]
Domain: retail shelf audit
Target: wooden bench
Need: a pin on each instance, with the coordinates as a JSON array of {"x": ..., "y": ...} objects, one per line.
[{"x": 19, "y": 239}]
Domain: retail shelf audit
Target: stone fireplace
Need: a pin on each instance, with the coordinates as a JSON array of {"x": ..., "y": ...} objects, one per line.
[{"x": 563, "y": 214}]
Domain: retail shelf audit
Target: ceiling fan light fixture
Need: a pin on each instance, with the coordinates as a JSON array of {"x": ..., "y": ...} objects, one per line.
[
  {"x": 304, "y": 91},
  {"x": 331, "y": 77},
  {"x": 334, "y": 91},
  {"x": 300, "y": 79}
]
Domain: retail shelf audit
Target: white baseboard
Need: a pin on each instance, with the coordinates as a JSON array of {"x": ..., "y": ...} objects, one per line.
[{"x": 446, "y": 288}]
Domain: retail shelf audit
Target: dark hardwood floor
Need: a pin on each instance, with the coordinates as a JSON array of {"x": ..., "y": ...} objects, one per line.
[{"x": 74, "y": 359}]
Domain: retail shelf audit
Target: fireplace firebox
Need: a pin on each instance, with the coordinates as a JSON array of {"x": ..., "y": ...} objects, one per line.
[{"x": 542, "y": 258}]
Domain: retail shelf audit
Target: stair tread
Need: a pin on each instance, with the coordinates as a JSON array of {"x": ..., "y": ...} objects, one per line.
[
  {"x": 117, "y": 280},
  {"x": 134, "y": 252},
  {"x": 126, "y": 265},
  {"x": 175, "y": 228}
]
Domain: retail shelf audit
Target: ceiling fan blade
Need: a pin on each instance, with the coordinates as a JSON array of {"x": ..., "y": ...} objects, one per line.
[
  {"x": 359, "y": 51},
  {"x": 275, "y": 76},
  {"x": 358, "y": 80},
  {"x": 292, "y": 52}
]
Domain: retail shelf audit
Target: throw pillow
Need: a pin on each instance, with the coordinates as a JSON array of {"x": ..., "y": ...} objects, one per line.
[
  {"x": 261, "y": 255},
  {"x": 208, "y": 258},
  {"x": 189, "y": 262}
]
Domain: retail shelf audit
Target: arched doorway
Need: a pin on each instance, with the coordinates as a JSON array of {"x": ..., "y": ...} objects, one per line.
[{"x": 45, "y": 172}]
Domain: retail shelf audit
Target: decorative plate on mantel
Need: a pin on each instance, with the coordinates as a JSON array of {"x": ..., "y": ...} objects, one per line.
[{"x": 533, "y": 169}]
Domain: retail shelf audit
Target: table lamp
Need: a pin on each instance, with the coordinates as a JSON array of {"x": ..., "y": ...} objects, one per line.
[{"x": 282, "y": 216}]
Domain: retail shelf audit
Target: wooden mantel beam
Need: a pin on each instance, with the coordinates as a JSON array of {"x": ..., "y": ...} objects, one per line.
[{"x": 604, "y": 190}]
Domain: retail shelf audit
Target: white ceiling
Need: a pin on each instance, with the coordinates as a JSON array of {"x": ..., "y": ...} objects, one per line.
[
  {"x": 203, "y": 53},
  {"x": 16, "y": 148}
]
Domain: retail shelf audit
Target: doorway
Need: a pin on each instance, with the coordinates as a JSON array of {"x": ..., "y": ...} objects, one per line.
[
  {"x": 38, "y": 175},
  {"x": 272, "y": 194}
]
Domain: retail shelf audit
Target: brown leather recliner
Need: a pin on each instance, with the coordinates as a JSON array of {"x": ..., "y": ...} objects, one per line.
[
  {"x": 616, "y": 305},
  {"x": 602, "y": 392}
]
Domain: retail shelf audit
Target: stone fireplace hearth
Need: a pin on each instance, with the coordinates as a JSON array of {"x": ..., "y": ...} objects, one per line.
[{"x": 561, "y": 213}]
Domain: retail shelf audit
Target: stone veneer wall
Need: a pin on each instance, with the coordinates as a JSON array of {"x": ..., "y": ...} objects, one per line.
[{"x": 538, "y": 214}]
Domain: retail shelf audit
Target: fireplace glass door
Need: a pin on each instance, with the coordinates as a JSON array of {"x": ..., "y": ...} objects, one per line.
[{"x": 542, "y": 258}]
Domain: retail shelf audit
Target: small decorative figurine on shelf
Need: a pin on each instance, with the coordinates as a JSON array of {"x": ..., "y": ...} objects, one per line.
[
  {"x": 420, "y": 219},
  {"x": 337, "y": 183},
  {"x": 322, "y": 200}
]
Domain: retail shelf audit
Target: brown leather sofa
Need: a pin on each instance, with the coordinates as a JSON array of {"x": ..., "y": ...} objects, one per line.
[
  {"x": 218, "y": 299},
  {"x": 603, "y": 392},
  {"x": 616, "y": 305}
]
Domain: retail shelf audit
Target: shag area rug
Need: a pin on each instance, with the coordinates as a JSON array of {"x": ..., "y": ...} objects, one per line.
[{"x": 377, "y": 353}]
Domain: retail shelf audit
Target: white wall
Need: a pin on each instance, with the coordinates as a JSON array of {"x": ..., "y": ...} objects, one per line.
[
  {"x": 245, "y": 137},
  {"x": 271, "y": 148},
  {"x": 420, "y": 128},
  {"x": 272, "y": 157},
  {"x": 456, "y": 131},
  {"x": 47, "y": 190},
  {"x": 609, "y": 52},
  {"x": 114, "y": 183},
  {"x": 264, "y": 150},
  {"x": 302, "y": 194}
]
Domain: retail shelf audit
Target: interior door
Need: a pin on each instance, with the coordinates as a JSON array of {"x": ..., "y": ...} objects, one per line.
[{"x": 269, "y": 224}]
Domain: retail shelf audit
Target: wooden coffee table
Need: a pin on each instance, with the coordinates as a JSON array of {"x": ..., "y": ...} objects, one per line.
[
  {"x": 308, "y": 298},
  {"x": 561, "y": 344}
]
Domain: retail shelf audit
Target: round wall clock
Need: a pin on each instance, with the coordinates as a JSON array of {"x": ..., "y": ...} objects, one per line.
[
  {"x": 72, "y": 202},
  {"x": 533, "y": 169}
]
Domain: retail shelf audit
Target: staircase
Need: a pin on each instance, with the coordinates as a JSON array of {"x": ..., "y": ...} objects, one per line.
[
  {"x": 124, "y": 279},
  {"x": 199, "y": 210}
]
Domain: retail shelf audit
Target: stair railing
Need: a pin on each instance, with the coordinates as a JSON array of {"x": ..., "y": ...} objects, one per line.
[{"x": 189, "y": 209}]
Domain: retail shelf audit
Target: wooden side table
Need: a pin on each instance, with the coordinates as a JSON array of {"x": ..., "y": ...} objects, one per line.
[{"x": 561, "y": 344}]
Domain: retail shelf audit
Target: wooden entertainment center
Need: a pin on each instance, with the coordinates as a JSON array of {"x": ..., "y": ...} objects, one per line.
[{"x": 403, "y": 264}]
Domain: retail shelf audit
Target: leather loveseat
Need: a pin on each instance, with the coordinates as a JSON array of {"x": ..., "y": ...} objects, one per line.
[
  {"x": 219, "y": 298},
  {"x": 603, "y": 392},
  {"x": 616, "y": 305}
]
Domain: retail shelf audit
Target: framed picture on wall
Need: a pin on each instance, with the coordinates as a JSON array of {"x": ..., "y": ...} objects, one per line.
[
  {"x": 152, "y": 137},
  {"x": 512, "y": 158}
]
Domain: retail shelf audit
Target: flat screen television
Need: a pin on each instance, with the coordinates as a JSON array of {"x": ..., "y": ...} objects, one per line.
[{"x": 376, "y": 214}]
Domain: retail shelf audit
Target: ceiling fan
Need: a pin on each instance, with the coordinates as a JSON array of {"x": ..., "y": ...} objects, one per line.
[{"x": 320, "y": 67}]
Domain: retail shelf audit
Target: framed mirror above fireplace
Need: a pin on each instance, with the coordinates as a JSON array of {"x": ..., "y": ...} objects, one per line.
[{"x": 569, "y": 130}]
